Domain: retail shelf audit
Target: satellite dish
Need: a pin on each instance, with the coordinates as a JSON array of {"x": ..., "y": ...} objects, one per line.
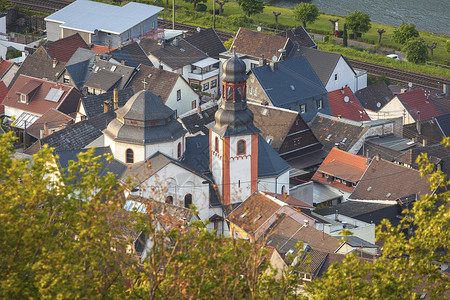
[
  {"x": 274, "y": 58},
  {"x": 198, "y": 29},
  {"x": 259, "y": 28},
  {"x": 346, "y": 99},
  {"x": 378, "y": 104},
  {"x": 410, "y": 84}
]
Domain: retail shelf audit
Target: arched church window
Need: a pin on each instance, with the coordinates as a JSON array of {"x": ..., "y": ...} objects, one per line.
[
  {"x": 216, "y": 144},
  {"x": 238, "y": 96},
  {"x": 230, "y": 93},
  {"x": 188, "y": 200},
  {"x": 129, "y": 157},
  {"x": 241, "y": 147},
  {"x": 179, "y": 150}
]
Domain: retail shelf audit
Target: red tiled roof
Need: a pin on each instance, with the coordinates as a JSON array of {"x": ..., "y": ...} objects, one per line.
[
  {"x": 345, "y": 104},
  {"x": 257, "y": 43},
  {"x": 290, "y": 200},
  {"x": 38, "y": 104},
  {"x": 63, "y": 49},
  {"x": 101, "y": 49},
  {"x": 418, "y": 100},
  {"x": 54, "y": 119},
  {"x": 4, "y": 65},
  {"x": 3, "y": 93},
  {"x": 344, "y": 165}
]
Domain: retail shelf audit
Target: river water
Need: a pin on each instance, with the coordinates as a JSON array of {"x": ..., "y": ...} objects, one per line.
[{"x": 427, "y": 15}]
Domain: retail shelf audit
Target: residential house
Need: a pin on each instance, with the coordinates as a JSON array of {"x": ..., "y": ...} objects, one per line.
[
  {"x": 253, "y": 217},
  {"x": 179, "y": 56},
  {"x": 173, "y": 89},
  {"x": 50, "y": 122},
  {"x": 131, "y": 55},
  {"x": 350, "y": 135},
  {"x": 443, "y": 123},
  {"x": 412, "y": 106},
  {"x": 333, "y": 69},
  {"x": 386, "y": 182},
  {"x": 431, "y": 131},
  {"x": 40, "y": 65},
  {"x": 374, "y": 97},
  {"x": 7, "y": 70},
  {"x": 103, "y": 24},
  {"x": 290, "y": 84},
  {"x": 94, "y": 105},
  {"x": 3, "y": 93},
  {"x": 208, "y": 42},
  {"x": 438, "y": 154},
  {"x": 300, "y": 36},
  {"x": 343, "y": 103},
  {"x": 63, "y": 49},
  {"x": 341, "y": 170},
  {"x": 388, "y": 147},
  {"x": 251, "y": 46}
]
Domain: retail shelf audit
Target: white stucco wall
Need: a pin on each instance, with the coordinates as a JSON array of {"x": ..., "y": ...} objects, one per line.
[
  {"x": 187, "y": 96},
  {"x": 274, "y": 184},
  {"x": 345, "y": 77},
  {"x": 216, "y": 160},
  {"x": 394, "y": 109},
  {"x": 240, "y": 169}
]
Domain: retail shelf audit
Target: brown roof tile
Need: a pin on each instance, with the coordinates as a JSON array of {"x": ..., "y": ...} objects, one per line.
[
  {"x": 288, "y": 199},
  {"x": 388, "y": 181},
  {"x": 257, "y": 43},
  {"x": 299, "y": 35},
  {"x": 63, "y": 49},
  {"x": 54, "y": 119},
  {"x": 4, "y": 66}
]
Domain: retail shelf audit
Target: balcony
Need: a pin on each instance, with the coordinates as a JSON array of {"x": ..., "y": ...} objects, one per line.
[{"x": 204, "y": 69}]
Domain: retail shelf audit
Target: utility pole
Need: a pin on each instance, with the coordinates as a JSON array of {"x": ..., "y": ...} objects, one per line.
[
  {"x": 214, "y": 14},
  {"x": 173, "y": 14}
]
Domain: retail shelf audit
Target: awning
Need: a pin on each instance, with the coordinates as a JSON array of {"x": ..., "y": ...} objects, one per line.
[{"x": 205, "y": 62}]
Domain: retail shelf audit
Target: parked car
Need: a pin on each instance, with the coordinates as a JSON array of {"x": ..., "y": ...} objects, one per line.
[{"x": 394, "y": 56}]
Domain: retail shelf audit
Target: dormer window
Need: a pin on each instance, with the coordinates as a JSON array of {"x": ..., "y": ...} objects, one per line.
[{"x": 23, "y": 98}]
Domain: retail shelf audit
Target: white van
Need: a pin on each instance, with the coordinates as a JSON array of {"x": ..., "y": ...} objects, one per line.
[{"x": 394, "y": 56}]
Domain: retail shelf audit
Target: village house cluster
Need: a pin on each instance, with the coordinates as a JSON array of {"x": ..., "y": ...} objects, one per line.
[{"x": 271, "y": 140}]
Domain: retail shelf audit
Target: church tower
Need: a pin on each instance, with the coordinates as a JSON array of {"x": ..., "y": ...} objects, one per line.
[{"x": 233, "y": 141}]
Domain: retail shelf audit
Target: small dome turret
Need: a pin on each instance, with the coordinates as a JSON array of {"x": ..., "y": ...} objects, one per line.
[{"x": 234, "y": 69}]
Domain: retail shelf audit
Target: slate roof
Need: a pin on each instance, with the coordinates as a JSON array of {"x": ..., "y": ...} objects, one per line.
[
  {"x": 437, "y": 153},
  {"x": 198, "y": 123},
  {"x": 94, "y": 104},
  {"x": 331, "y": 130},
  {"x": 312, "y": 262},
  {"x": 344, "y": 103},
  {"x": 294, "y": 80},
  {"x": 89, "y": 16},
  {"x": 174, "y": 56},
  {"x": 54, "y": 119},
  {"x": 196, "y": 154},
  {"x": 343, "y": 165},
  {"x": 352, "y": 209},
  {"x": 63, "y": 49},
  {"x": 257, "y": 43},
  {"x": 270, "y": 164},
  {"x": 388, "y": 181},
  {"x": 155, "y": 121},
  {"x": 419, "y": 100},
  {"x": 39, "y": 65},
  {"x": 107, "y": 75},
  {"x": 300, "y": 36},
  {"x": 391, "y": 142},
  {"x": 108, "y": 166},
  {"x": 160, "y": 82},
  {"x": 80, "y": 66},
  {"x": 132, "y": 54},
  {"x": 322, "y": 62},
  {"x": 375, "y": 96},
  {"x": 207, "y": 41},
  {"x": 77, "y": 136},
  {"x": 38, "y": 90},
  {"x": 443, "y": 122}
]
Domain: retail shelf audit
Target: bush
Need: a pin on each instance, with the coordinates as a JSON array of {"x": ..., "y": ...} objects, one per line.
[
  {"x": 239, "y": 21},
  {"x": 217, "y": 11},
  {"x": 13, "y": 53},
  {"x": 201, "y": 7}
]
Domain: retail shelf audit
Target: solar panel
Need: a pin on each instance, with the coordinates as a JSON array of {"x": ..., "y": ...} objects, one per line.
[{"x": 54, "y": 95}]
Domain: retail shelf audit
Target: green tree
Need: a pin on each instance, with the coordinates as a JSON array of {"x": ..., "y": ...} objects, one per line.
[
  {"x": 447, "y": 46},
  {"x": 358, "y": 22},
  {"x": 306, "y": 13},
  {"x": 410, "y": 263},
  {"x": 195, "y": 2},
  {"x": 416, "y": 50},
  {"x": 404, "y": 33},
  {"x": 251, "y": 7}
]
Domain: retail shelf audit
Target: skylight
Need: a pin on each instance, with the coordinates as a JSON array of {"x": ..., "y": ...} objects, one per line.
[{"x": 54, "y": 95}]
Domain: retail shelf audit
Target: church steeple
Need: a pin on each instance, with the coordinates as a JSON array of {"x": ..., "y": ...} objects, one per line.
[{"x": 234, "y": 137}]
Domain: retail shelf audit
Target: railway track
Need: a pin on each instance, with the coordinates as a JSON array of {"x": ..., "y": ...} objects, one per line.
[
  {"x": 224, "y": 36},
  {"x": 45, "y": 6},
  {"x": 401, "y": 76}
]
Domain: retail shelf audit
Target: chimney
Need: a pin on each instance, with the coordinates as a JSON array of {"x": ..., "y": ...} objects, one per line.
[
  {"x": 424, "y": 142},
  {"x": 55, "y": 62},
  {"x": 262, "y": 61},
  {"x": 175, "y": 42},
  {"x": 273, "y": 65},
  {"x": 342, "y": 91},
  {"x": 97, "y": 57},
  {"x": 45, "y": 129},
  {"x": 283, "y": 54},
  {"x": 377, "y": 157},
  {"x": 305, "y": 222},
  {"x": 199, "y": 110},
  {"x": 418, "y": 125},
  {"x": 106, "y": 106},
  {"x": 445, "y": 89},
  {"x": 116, "y": 98},
  {"x": 123, "y": 62}
]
